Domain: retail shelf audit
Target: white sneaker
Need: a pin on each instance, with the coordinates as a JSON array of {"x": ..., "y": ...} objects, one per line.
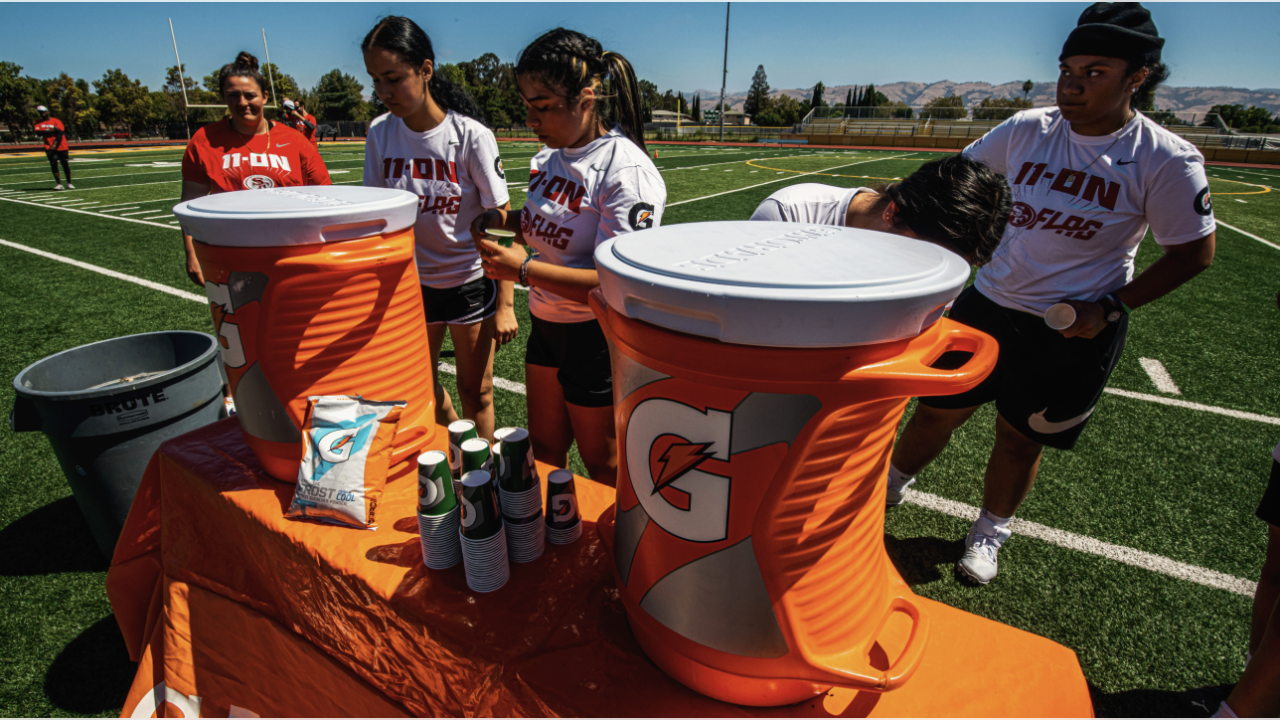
[
  {"x": 981, "y": 545},
  {"x": 897, "y": 494},
  {"x": 58, "y": 187},
  {"x": 70, "y": 186}
]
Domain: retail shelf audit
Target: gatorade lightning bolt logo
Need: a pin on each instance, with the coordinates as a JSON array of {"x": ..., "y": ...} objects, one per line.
[{"x": 337, "y": 442}]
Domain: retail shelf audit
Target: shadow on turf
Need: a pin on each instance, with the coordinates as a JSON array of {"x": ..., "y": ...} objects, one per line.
[
  {"x": 93, "y": 673},
  {"x": 1196, "y": 702},
  {"x": 922, "y": 560},
  {"x": 50, "y": 540}
]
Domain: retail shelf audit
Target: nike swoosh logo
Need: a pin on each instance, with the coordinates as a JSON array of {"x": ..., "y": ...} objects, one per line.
[
  {"x": 451, "y": 142},
  {"x": 1122, "y": 162},
  {"x": 281, "y": 144},
  {"x": 1040, "y": 425},
  {"x": 593, "y": 167}
]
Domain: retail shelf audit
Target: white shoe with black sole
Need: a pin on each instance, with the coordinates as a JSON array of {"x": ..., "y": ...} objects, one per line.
[
  {"x": 897, "y": 494},
  {"x": 981, "y": 545}
]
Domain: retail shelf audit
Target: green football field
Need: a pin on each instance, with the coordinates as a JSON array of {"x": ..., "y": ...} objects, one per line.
[{"x": 1138, "y": 550}]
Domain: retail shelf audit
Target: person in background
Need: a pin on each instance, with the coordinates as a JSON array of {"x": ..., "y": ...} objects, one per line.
[
  {"x": 433, "y": 145},
  {"x": 55, "y": 146},
  {"x": 1089, "y": 177},
  {"x": 245, "y": 151},
  {"x": 296, "y": 117},
  {"x": 956, "y": 202},
  {"x": 592, "y": 182}
]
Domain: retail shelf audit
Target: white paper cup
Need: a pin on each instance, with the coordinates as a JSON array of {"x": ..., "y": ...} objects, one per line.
[{"x": 1060, "y": 316}]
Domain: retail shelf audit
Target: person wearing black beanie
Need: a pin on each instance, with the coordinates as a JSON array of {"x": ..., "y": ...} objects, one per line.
[{"x": 1088, "y": 178}]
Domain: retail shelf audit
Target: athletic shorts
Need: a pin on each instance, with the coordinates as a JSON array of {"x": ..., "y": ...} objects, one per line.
[
  {"x": 1269, "y": 508},
  {"x": 56, "y": 155},
  {"x": 1044, "y": 385},
  {"x": 580, "y": 355},
  {"x": 465, "y": 304}
]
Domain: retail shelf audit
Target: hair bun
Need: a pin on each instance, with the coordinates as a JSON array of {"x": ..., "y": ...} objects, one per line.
[{"x": 245, "y": 58}]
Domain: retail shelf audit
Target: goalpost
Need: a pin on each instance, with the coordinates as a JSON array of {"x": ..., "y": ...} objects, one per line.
[{"x": 183, "y": 83}]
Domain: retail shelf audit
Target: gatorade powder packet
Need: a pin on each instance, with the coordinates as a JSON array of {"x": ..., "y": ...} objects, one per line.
[{"x": 346, "y": 448}]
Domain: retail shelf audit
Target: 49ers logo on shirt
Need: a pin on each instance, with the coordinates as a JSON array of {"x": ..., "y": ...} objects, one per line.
[
  {"x": 1023, "y": 215},
  {"x": 258, "y": 182}
]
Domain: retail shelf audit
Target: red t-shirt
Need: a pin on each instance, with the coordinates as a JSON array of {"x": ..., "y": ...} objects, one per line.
[
  {"x": 298, "y": 125},
  {"x": 57, "y": 140},
  {"x": 220, "y": 157}
]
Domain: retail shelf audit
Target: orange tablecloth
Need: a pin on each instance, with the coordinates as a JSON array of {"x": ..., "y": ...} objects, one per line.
[{"x": 234, "y": 610}]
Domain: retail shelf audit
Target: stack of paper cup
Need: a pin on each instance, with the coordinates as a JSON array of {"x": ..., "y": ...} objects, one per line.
[
  {"x": 459, "y": 432},
  {"x": 484, "y": 544},
  {"x": 520, "y": 493},
  {"x": 564, "y": 522},
  {"x": 438, "y": 512}
]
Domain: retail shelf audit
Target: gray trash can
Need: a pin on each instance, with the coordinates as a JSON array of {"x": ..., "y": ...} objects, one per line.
[{"x": 107, "y": 406}]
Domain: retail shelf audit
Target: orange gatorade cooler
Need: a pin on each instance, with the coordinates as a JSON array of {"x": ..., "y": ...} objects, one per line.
[
  {"x": 760, "y": 373},
  {"x": 314, "y": 291}
]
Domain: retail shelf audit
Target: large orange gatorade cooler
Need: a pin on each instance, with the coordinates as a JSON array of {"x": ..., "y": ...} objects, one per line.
[
  {"x": 760, "y": 373},
  {"x": 314, "y": 291}
]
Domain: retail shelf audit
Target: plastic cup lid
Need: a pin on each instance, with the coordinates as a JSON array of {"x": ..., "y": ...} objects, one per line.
[
  {"x": 280, "y": 216},
  {"x": 780, "y": 284},
  {"x": 1060, "y": 316}
]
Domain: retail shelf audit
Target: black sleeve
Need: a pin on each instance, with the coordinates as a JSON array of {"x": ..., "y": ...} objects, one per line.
[
  {"x": 57, "y": 136},
  {"x": 310, "y": 126}
]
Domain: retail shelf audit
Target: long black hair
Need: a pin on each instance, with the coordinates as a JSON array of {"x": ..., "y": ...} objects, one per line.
[
  {"x": 245, "y": 65},
  {"x": 569, "y": 62},
  {"x": 1145, "y": 96},
  {"x": 403, "y": 37},
  {"x": 957, "y": 201}
]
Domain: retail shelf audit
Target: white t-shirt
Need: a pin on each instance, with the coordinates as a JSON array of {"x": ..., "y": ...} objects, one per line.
[
  {"x": 811, "y": 203},
  {"x": 455, "y": 170},
  {"x": 1082, "y": 204},
  {"x": 581, "y": 197}
]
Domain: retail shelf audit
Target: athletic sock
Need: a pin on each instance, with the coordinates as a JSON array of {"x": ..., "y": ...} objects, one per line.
[
  {"x": 1000, "y": 522},
  {"x": 898, "y": 479}
]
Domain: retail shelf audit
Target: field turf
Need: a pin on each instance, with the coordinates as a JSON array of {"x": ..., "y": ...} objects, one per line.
[{"x": 1176, "y": 482}]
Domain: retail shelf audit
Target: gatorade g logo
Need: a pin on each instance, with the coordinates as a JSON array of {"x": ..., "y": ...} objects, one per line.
[
  {"x": 563, "y": 508},
  {"x": 430, "y": 491},
  {"x": 240, "y": 289},
  {"x": 1203, "y": 205},
  {"x": 258, "y": 182},
  {"x": 666, "y": 444},
  {"x": 337, "y": 442},
  {"x": 641, "y": 216},
  {"x": 497, "y": 165},
  {"x": 469, "y": 514}
]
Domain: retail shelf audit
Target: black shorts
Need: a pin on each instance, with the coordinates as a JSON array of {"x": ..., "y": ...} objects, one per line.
[
  {"x": 462, "y": 305},
  {"x": 1044, "y": 385},
  {"x": 580, "y": 355},
  {"x": 56, "y": 155},
  {"x": 1269, "y": 509}
]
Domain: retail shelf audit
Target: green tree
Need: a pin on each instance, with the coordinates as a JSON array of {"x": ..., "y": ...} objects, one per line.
[
  {"x": 897, "y": 110},
  {"x": 758, "y": 93},
  {"x": 121, "y": 101},
  {"x": 65, "y": 99},
  {"x": 697, "y": 108},
  {"x": 1027, "y": 87},
  {"x": 649, "y": 98},
  {"x": 948, "y": 107},
  {"x": 817, "y": 100},
  {"x": 339, "y": 97},
  {"x": 848, "y": 99},
  {"x": 993, "y": 108},
  {"x": 17, "y": 106}
]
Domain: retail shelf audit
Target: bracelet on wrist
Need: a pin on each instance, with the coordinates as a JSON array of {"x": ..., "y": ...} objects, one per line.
[{"x": 524, "y": 271}]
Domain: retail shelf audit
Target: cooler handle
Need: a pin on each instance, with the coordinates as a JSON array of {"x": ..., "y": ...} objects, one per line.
[
  {"x": 853, "y": 669},
  {"x": 908, "y": 374}
]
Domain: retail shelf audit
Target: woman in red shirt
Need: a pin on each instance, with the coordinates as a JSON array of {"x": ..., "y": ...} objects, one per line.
[{"x": 245, "y": 151}]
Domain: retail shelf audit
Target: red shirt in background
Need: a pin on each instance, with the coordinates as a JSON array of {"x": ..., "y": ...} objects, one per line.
[
  {"x": 300, "y": 126},
  {"x": 226, "y": 160},
  {"x": 57, "y": 139}
]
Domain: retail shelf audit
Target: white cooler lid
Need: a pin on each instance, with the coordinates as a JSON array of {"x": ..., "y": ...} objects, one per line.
[
  {"x": 307, "y": 215},
  {"x": 780, "y": 284}
]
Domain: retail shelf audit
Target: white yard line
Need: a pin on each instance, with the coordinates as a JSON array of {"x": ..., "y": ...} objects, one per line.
[
  {"x": 160, "y": 217},
  {"x": 130, "y": 207},
  {"x": 99, "y": 177},
  {"x": 85, "y": 212},
  {"x": 1249, "y": 235},
  {"x": 1159, "y": 375},
  {"x": 1081, "y": 543},
  {"x": 1172, "y": 402},
  {"x": 140, "y": 202},
  {"x": 144, "y": 212},
  {"x": 800, "y": 175},
  {"x": 109, "y": 273},
  {"x": 508, "y": 385}
]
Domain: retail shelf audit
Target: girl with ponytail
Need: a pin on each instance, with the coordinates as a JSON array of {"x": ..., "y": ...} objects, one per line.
[
  {"x": 593, "y": 181},
  {"x": 433, "y": 144}
]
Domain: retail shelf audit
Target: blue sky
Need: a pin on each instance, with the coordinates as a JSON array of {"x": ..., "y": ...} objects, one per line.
[{"x": 675, "y": 45}]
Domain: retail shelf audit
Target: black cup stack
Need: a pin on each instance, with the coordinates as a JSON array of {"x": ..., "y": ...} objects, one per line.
[
  {"x": 564, "y": 522},
  {"x": 439, "y": 515},
  {"x": 484, "y": 543},
  {"x": 520, "y": 494}
]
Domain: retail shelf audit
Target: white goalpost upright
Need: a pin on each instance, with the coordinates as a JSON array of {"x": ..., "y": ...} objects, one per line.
[{"x": 183, "y": 83}]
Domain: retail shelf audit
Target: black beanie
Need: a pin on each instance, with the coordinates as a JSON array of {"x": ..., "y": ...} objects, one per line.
[{"x": 1119, "y": 30}]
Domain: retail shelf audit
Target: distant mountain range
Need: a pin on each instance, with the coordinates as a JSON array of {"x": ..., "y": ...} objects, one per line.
[{"x": 1192, "y": 99}]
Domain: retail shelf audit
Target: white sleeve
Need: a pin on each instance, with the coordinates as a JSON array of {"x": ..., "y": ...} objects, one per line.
[
  {"x": 770, "y": 211},
  {"x": 634, "y": 199},
  {"x": 1179, "y": 209},
  {"x": 372, "y": 161},
  {"x": 484, "y": 165},
  {"x": 992, "y": 149}
]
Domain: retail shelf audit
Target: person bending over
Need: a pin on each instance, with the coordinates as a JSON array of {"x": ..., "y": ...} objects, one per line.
[
  {"x": 956, "y": 202},
  {"x": 1089, "y": 177}
]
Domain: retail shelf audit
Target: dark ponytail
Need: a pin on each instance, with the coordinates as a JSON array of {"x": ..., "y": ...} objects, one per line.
[
  {"x": 956, "y": 201},
  {"x": 403, "y": 37},
  {"x": 245, "y": 65},
  {"x": 1144, "y": 98},
  {"x": 569, "y": 62}
]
